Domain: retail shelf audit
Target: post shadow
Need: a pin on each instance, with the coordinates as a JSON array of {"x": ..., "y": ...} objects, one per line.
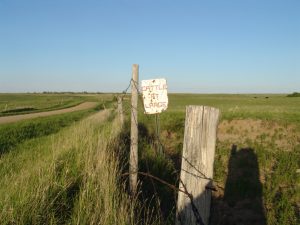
[{"x": 242, "y": 202}]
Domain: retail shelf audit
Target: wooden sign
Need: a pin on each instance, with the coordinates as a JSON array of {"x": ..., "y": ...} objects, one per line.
[{"x": 155, "y": 95}]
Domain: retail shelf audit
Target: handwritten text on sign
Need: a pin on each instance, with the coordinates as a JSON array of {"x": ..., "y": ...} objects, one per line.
[{"x": 155, "y": 95}]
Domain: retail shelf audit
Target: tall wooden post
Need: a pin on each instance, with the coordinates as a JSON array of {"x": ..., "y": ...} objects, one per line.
[
  {"x": 133, "y": 163},
  {"x": 197, "y": 165},
  {"x": 120, "y": 110}
]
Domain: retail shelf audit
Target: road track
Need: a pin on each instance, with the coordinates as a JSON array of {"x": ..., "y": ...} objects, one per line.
[{"x": 15, "y": 118}]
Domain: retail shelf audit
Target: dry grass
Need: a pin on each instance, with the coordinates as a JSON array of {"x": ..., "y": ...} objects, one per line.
[{"x": 239, "y": 131}]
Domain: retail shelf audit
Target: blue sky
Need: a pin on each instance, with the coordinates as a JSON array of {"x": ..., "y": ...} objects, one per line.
[{"x": 203, "y": 46}]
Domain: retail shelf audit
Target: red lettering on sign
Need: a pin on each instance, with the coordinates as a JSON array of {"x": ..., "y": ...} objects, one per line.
[
  {"x": 156, "y": 105},
  {"x": 154, "y": 87}
]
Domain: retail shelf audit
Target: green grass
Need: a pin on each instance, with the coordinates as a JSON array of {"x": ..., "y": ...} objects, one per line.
[
  {"x": 15, "y": 133},
  {"x": 73, "y": 175},
  {"x": 70, "y": 177},
  {"x": 13, "y": 104},
  {"x": 267, "y": 107},
  {"x": 272, "y": 193},
  {"x": 275, "y": 187}
]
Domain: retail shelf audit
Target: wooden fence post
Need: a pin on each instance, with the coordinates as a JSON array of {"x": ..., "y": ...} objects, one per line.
[
  {"x": 133, "y": 163},
  {"x": 197, "y": 165},
  {"x": 120, "y": 110}
]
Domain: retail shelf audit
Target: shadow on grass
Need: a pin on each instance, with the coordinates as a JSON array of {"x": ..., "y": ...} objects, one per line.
[
  {"x": 157, "y": 198},
  {"x": 242, "y": 201}
]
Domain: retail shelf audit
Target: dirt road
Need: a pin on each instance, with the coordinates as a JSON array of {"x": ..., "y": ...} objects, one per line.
[{"x": 11, "y": 119}]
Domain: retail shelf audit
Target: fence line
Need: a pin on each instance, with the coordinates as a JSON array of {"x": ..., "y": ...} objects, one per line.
[{"x": 213, "y": 186}]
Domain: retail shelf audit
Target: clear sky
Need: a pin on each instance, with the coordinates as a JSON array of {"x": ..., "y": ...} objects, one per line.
[{"x": 205, "y": 46}]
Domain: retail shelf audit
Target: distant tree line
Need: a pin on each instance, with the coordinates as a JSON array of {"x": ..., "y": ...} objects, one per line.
[
  {"x": 294, "y": 94},
  {"x": 70, "y": 92}
]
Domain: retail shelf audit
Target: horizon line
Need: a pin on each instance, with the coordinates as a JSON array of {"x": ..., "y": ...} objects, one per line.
[{"x": 100, "y": 92}]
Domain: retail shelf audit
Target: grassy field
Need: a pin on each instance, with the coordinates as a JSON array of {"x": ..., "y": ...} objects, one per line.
[
  {"x": 66, "y": 169},
  {"x": 13, "y": 104},
  {"x": 13, "y": 134},
  {"x": 69, "y": 166},
  {"x": 257, "y": 157},
  {"x": 68, "y": 177},
  {"x": 63, "y": 170},
  {"x": 265, "y": 107}
]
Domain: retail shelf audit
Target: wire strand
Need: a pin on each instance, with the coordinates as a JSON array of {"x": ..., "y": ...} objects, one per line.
[{"x": 128, "y": 107}]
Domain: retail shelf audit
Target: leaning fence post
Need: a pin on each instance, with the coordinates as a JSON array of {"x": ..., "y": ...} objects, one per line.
[
  {"x": 120, "y": 110},
  {"x": 197, "y": 164},
  {"x": 133, "y": 163}
]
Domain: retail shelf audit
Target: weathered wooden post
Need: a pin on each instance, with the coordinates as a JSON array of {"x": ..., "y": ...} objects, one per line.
[
  {"x": 133, "y": 163},
  {"x": 197, "y": 165},
  {"x": 120, "y": 110}
]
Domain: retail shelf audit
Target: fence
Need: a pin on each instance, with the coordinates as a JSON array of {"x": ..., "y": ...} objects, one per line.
[{"x": 196, "y": 175}]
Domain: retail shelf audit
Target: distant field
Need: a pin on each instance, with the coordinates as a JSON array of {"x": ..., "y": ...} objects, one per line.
[
  {"x": 257, "y": 106},
  {"x": 13, "y": 104},
  {"x": 28, "y": 116}
]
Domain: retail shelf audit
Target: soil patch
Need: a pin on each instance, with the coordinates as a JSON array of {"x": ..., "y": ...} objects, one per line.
[{"x": 241, "y": 131}]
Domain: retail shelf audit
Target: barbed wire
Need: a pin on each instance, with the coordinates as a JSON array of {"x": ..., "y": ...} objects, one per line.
[
  {"x": 124, "y": 92},
  {"x": 128, "y": 107},
  {"x": 195, "y": 210}
]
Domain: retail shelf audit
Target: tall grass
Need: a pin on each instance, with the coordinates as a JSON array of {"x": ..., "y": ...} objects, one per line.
[
  {"x": 71, "y": 177},
  {"x": 13, "y": 134}
]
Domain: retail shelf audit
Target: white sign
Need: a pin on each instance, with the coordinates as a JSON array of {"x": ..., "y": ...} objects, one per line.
[{"x": 155, "y": 95}]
